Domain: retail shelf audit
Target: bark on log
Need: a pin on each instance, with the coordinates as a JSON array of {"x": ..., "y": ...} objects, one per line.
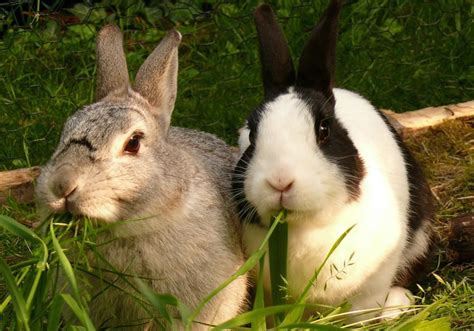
[
  {"x": 461, "y": 238},
  {"x": 418, "y": 121}
]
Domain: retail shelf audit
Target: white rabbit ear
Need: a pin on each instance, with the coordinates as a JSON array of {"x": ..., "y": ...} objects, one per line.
[
  {"x": 157, "y": 78},
  {"x": 278, "y": 72},
  {"x": 112, "y": 72},
  {"x": 318, "y": 60}
]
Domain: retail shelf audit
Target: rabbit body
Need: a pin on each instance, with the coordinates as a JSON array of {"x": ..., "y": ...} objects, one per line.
[
  {"x": 332, "y": 161},
  {"x": 377, "y": 249},
  {"x": 162, "y": 190}
]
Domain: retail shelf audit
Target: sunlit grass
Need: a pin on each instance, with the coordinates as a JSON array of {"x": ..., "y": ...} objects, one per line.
[{"x": 64, "y": 247}]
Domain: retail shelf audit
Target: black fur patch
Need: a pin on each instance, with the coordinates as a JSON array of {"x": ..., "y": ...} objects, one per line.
[
  {"x": 245, "y": 209},
  {"x": 338, "y": 147},
  {"x": 421, "y": 210},
  {"x": 83, "y": 142}
]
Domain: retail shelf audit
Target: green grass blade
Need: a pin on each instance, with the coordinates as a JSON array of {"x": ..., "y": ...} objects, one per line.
[
  {"x": 22, "y": 231},
  {"x": 24, "y": 273},
  {"x": 78, "y": 310},
  {"x": 439, "y": 324},
  {"x": 417, "y": 320},
  {"x": 159, "y": 301},
  {"x": 278, "y": 251},
  {"x": 311, "y": 326},
  {"x": 54, "y": 315},
  {"x": 18, "y": 301},
  {"x": 247, "y": 266},
  {"x": 250, "y": 316},
  {"x": 260, "y": 324},
  {"x": 295, "y": 315},
  {"x": 65, "y": 264},
  {"x": 18, "y": 229},
  {"x": 41, "y": 267},
  {"x": 75, "y": 304}
]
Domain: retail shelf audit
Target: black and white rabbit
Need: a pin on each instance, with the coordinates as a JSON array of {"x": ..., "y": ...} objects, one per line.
[
  {"x": 164, "y": 188},
  {"x": 329, "y": 158}
]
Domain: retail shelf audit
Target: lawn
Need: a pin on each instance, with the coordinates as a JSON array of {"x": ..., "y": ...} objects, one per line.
[{"x": 401, "y": 55}]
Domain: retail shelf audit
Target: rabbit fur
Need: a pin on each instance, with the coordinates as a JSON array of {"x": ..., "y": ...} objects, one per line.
[
  {"x": 329, "y": 158},
  {"x": 168, "y": 200}
]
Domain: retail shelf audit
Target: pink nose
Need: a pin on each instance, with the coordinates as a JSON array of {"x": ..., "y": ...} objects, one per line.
[{"x": 281, "y": 185}]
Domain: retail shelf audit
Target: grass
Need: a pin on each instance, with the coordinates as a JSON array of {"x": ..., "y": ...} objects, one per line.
[
  {"x": 402, "y": 55},
  {"x": 446, "y": 155}
]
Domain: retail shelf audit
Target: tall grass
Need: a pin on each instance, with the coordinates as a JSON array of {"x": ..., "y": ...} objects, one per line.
[{"x": 38, "y": 299}]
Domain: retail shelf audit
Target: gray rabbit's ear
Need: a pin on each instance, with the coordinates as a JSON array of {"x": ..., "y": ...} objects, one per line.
[
  {"x": 157, "y": 78},
  {"x": 277, "y": 67},
  {"x": 112, "y": 72}
]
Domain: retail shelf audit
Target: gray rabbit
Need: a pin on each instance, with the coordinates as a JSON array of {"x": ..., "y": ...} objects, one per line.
[{"x": 164, "y": 188}]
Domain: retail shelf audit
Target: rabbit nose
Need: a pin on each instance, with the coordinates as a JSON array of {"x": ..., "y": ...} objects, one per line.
[
  {"x": 63, "y": 185},
  {"x": 281, "y": 185}
]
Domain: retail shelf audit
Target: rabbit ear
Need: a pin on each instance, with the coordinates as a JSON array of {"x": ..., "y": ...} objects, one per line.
[
  {"x": 277, "y": 67},
  {"x": 318, "y": 60},
  {"x": 112, "y": 72},
  {"x": 157, "y": 78}
]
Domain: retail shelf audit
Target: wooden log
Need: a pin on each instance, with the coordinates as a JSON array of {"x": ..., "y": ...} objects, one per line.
[
  {"x": 18, "y": 184},
  {"x": 418, "y": 121},
  {"x": 461, "y": 238}
]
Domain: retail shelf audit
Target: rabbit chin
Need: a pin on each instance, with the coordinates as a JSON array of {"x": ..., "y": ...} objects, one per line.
[
  {"x": 103, "y": 213},
  {"x": 298, "y": 212},
  {"x": 308, "y": 201}
]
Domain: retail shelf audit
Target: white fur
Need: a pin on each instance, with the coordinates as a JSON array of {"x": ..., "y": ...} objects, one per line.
[
  {"x": 397, "y": 302},
  {"x": 320, "y": 208}
]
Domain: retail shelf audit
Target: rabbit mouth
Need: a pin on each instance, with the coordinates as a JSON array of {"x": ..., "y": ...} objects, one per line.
[
  {"x": 64, "y": 205},
  {"x": 74, "y": 206},
  {"x": 280, "y": 200},
  {"x": 57, "y": 206}
]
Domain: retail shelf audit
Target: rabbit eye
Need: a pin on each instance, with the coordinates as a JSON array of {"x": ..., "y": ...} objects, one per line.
[
  {"x": 133, "y": 145},
  {"x": 323, "y": 132}
]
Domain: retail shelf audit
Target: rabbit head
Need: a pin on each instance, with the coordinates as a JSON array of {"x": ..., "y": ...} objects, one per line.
[
  {"x": 112, "y": 154},
  {"x": 295, "y": 153}
]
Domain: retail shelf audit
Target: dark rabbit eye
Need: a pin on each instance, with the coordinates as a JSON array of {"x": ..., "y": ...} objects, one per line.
[
  {"x": 133, "y": 145},
  {"x": 323, "y": 132}
]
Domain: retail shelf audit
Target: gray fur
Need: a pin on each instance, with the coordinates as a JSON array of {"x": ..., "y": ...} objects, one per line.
[
  {"x": 112, "y": 72},
  {"x": 169, "y": 203},
  {"x": 156, "y": 79}
]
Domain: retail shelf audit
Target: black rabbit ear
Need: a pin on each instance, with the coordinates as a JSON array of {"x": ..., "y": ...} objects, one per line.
[
  {"x": 318, "y": 61},
  {"x": 277, "y": 67}
]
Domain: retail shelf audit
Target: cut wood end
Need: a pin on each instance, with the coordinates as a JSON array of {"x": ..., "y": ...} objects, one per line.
[
  {"x": 417, "y": 121},
  {"x": 18, "y": 184},
  {"x": 9, "y": 179}
]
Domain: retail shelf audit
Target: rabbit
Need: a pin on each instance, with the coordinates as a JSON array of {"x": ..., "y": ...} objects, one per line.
[
  {"x": 165, "y": 189},
  {"x": 332, "y": 160}
]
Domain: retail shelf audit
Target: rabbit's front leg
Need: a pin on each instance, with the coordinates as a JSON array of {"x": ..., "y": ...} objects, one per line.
[{"x": 391, "y": 304}]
